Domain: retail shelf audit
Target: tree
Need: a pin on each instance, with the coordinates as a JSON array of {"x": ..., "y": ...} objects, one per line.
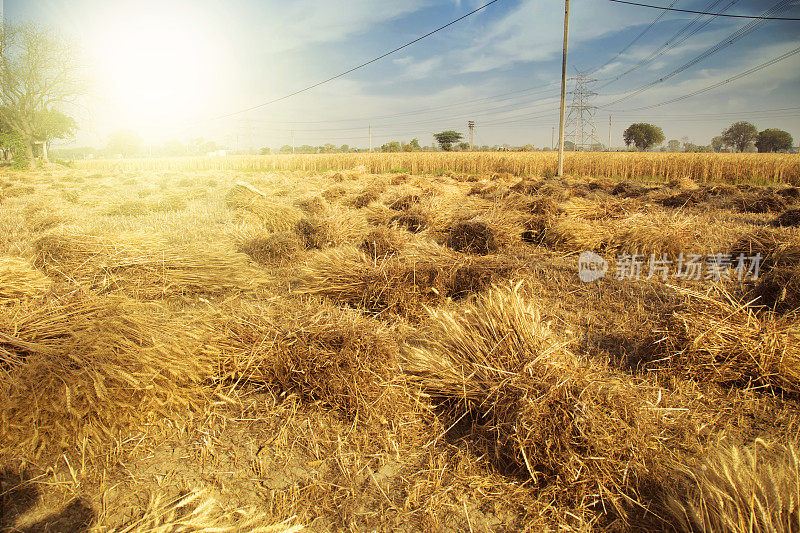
[
  {"x": 414, "y": 144},
  {"x": 447, "y": 138},
  {"x": 265, "y": 150},
  {"x": 717, "y": 143},
  {"x": 773, "y": 140},
  {"x": 674, "y": 145},
  {"x": 740, "y": 135},
  {"x": 125, "y": 142},
  {"x": 393, "y": 146},
  {"x": 569, "y": 146},
  {"x": 11, "y": 144},
  {"x": 49, "y": 125},
  {"x": 643, "y": 135},
  {"x": 39, "y": 72}
]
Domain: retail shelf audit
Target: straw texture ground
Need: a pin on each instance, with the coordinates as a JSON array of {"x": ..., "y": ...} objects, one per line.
[{"x": 242, "y": 350}]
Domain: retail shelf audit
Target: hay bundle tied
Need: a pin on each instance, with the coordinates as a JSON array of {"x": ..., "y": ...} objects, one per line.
[
  {"x": 18, "y": 279},
  {"x": 573, "y": 425},
  {"x": 714, "y": 337},
  {"x": 737, "y": 489},
  {"x": 323, "y": 353},
  {"x": 89, "y": 370},
  {"x": 648, "y": 234},
  {"x": 419, "y": 273},
  {"x": 144, "y": 265}
]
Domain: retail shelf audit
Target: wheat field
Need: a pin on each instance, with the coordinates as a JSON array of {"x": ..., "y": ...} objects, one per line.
[
  {"x": 348, "y": 350},
  {"x": 704, "y": 168}
]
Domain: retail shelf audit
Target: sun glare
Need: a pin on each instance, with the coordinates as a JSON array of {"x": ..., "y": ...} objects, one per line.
[{"x": 155, "y": 70}]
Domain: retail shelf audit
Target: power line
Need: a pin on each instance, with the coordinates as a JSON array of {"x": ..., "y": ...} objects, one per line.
[
  {"x": 362, "y": 65},
  {"x": 720, "y": 84},
  {"x": 456, "y": 116},
  {"x": 427, "y": 110},
  {"x": 704, "y": 12},
  {"x": 722, "y": 44},
  {"x": 671, "y": 43},
  {"x": 736, "y": 113},
  {"x": 635, "y": 39}
]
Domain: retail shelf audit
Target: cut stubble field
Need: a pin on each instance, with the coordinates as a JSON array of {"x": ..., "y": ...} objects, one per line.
[{"x": 238, "y": 349}]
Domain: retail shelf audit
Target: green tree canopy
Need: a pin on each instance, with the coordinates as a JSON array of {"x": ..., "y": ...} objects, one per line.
[
  {"x": 447, "y": 138},
  {"x": 393, "y": 146},
  {"x": 739, "y": 135},
  {"x": 49, "y": 124},
  {"x": 39, "y": 72},
  {"x": 717, "y": 143},
  {"x": 643, "y": 135},
  {"x": 773, "y": 140}
]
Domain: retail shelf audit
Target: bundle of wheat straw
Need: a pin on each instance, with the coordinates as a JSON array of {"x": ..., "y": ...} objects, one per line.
[
  {"x": 141, "y": 264},
  {"x": 418, "y": 273},
  {"x": 310, "y": 347},
  {"x": 738, "y": 490},
  {"x": 684, "y": 183},
  {"x": 18, "y": 279},
  {"x": 648, "y": 234},
  {"x": 714, "y": 337},
  {"x": 270, "y": 249},
  {"x": 563, "y": 419},
  {"x": 576, "y": 235},
  {"x": 91, "y": 369}
]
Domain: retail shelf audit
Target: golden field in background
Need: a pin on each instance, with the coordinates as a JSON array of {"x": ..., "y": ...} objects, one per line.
[
  {"x": 343, "y": 350},
  {"x": 760, "y": 169}
]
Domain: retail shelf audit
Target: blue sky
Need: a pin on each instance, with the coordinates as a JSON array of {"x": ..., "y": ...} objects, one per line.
[{"x": 500, "y": 68}]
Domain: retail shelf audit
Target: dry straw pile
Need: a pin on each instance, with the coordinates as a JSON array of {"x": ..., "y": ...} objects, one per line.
[
  {"x": 738, "y": 490},
  {"x": 417, "y": 274},
  {"x": 581, "y": 431},
  {"x": 778, "y": 286},
  {"x": 18, "y": 279},
  {"x": 142, "y": 264},
  {"x": 324, "y": 354},
  {"x": 96, "y": 367},
  {"x": 711, "y": 336}
]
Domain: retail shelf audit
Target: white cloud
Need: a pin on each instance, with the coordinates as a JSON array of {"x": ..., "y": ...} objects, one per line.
[
  {"x": 528, "y": 33},
  {"x": 300, "y": 23},
  {"x": 419, "y": 69}
]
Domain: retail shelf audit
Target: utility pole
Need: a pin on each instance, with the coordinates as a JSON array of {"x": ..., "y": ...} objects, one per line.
[
  {"x": 471, "y": 126},
  {"x": 553, "y": 139},
  {"x": 370, "y": 139},
  {"x": 563, "y": 91},
  {"x": 609, "y": 133},
  {"x": 292, "y": 141}
]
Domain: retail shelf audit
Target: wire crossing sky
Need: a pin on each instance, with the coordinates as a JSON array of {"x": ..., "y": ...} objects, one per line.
[{"x": 409, "y": 69}]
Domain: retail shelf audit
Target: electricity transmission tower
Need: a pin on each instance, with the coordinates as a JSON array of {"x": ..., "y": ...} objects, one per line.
[
  {"x": 580, "y": 120},
  {"x": 471, "y": 126}
]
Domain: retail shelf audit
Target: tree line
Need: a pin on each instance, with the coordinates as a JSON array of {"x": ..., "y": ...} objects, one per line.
[{"x": 738, "y": 137}]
